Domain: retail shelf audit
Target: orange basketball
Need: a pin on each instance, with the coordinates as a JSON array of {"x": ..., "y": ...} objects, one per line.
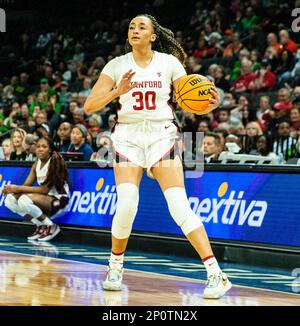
[{"x": 193, "y": 94}]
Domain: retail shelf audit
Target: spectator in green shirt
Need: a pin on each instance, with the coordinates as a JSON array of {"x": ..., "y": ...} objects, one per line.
[{"x": 250, "y": 21}]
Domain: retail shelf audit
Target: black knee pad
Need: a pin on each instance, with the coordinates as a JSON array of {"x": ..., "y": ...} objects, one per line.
[{"x": 58, "y": 204}]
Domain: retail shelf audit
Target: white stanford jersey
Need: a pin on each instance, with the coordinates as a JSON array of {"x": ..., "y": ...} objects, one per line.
[
  {"x": 41, "y": 175},
  {"x": 150, "y": 100}
]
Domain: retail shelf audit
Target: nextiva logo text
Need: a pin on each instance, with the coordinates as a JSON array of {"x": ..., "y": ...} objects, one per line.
[
  {"x": 230, "y": 209},
  {"x": 4, "y": 183},
  {"x": 100, "y": 202}
]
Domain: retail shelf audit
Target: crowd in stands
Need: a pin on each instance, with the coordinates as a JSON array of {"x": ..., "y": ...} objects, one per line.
[{"x": 247, "y": 48}]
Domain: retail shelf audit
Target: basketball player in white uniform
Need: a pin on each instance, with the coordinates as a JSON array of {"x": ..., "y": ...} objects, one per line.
[
  {"x": 145, "y": 136},
  {"x": 49, "y": 198}
]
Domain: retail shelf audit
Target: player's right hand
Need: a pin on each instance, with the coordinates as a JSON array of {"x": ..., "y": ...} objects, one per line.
[{"x": 125, "y": 84}]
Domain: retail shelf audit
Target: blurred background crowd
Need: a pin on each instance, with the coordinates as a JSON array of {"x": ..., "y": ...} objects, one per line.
[{"x": 51, "y": 56}]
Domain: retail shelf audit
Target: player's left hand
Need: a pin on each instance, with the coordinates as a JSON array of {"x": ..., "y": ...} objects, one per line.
[
  {"x": 10, "y": 189},
  {"x": 214, "y": 102}
]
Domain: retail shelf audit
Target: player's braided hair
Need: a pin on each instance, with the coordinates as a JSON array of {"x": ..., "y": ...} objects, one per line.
[{"x": 165, "y": 41}]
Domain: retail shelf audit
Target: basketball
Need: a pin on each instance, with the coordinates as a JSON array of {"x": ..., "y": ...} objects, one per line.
[{"x": 193, "y": 94}]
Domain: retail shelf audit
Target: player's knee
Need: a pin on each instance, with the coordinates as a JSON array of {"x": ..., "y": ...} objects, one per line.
[
  {"x": 11, "y": 203},
  {"x": 128, "y": 198},
  {"x": 181, "y": 211},
  {"x": 27, "y": 207}
]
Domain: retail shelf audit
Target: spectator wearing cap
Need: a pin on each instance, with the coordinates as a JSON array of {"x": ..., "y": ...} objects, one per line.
[
  {"x": 64, "y": 96},
  {"x": 279, "y": 113},
  {"x": 45, "y": 88},
  {"x": 64, "y": 136},
  {"x": 264, "y": 80},
  {"x": 78, "y": 142}
]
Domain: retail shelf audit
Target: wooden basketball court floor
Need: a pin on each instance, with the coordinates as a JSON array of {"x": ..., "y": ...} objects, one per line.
[{"x": 32, "y": 279}]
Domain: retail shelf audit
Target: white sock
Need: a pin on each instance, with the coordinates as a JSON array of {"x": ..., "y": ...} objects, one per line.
[
  {"x": 36, "y": 221},
  {"x": 116, "y": 261},
  {"x": 211, "y": 265},
  {"x": 47, "y": 222}
]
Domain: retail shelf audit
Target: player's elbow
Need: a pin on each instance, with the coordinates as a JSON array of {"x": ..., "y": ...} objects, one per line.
[{"x": 88, "y": 107}]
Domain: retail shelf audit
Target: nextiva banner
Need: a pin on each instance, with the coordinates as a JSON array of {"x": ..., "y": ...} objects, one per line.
[{"x": 244, "y": 206}]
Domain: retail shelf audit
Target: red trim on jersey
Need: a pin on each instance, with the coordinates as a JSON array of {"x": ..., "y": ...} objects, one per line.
[
  {"x": 207, "y": 258},
  {"x": 124, "y": 157},
  {"x": 168, "y": 152}
]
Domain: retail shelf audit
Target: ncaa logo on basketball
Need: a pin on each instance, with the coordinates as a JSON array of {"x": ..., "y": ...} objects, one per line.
[{"x": 204, "y": 92}]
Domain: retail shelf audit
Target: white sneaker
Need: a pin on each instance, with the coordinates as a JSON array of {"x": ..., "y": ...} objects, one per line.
[
  {"x": 49, "y": 233},
  {"x": 217, "y": 286},
  {"x": 113, "y": 281},
  {"x": 37, "y": 233}
]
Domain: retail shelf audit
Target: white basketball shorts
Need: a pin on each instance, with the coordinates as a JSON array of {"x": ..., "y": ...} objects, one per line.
[{"x": 145, "y": 143}]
